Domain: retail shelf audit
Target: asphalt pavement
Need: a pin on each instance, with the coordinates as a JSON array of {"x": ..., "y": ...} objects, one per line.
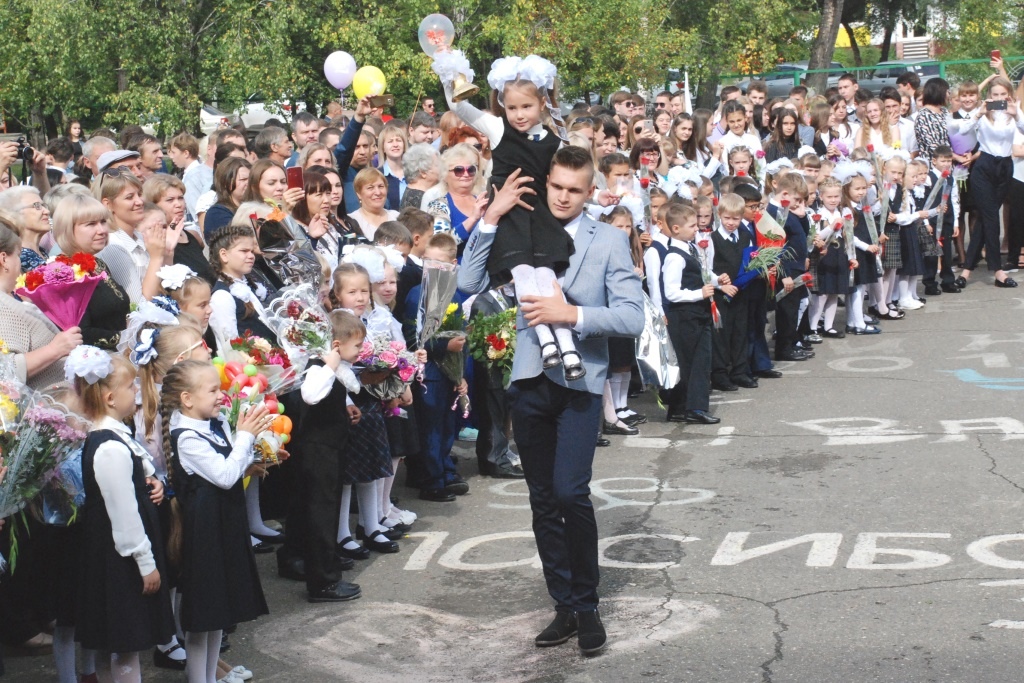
[{"x": 857, "y": 520}]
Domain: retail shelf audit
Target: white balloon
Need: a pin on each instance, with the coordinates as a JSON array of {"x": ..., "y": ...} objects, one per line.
[{"x": 340, "y": 68}]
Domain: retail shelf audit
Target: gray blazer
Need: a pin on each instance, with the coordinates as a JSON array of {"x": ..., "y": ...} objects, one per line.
[{"x": 600, "y": 278}]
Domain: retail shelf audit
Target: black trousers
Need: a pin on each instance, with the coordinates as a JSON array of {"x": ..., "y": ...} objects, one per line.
[
  {"x": 757, "y": 318},
  {"x": 990, "y": 182},
  {"x": 786, "y": 321},
  {"x": 1015, "y": 228},
  {"x": 931, "y": 263},
  {"x": 491, "y": 409},
  {"x": 555, "y": 429},
  {"x": 730, "y": 345},
  {"x": 689, "y": 328}
]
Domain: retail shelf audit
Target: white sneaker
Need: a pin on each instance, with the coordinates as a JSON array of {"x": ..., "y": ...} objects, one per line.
[
  {"x": 910, "y": 304},
  {"x": 232, "y": 677},
  {"x": 241, "y": 673},
  {"x": 402, "y": 516}
]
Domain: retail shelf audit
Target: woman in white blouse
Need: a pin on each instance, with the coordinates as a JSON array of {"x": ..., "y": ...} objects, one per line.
[
  {"x": 371, "y": 188},
  {"x": 995, "y": 122}
]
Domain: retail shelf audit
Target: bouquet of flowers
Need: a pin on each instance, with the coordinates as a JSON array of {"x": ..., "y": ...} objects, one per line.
[
  {"x": 301, "y": 323},
  {"x": 761, "y": 261},
  {"x": 391, "y": 359},
  {"x": 237, "y": 401},
  {"x": 61, "y": 288},
  {"x": 492, "y": 340},
  {"x": 453, "y": 365},
  {"x": 802, "y": 280},
  {"x": 272, "y": 366}
]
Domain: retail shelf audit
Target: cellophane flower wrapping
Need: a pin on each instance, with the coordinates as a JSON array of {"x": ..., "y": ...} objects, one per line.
[
  {"x": 63, "y": 495},
  {"x": 301, "y": 323},
  {"x": 388, "y": 357},
  {"x": 62, "y": 287},
  {"x": 453, "y": 326},
  {"x": 492, "y": 341},
  {"x": 283, "y": 371}
]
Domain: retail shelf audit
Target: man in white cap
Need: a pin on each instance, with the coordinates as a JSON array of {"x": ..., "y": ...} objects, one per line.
[{"x": 121, "y": 158}]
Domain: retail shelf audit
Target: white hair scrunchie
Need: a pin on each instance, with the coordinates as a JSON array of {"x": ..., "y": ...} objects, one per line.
[
  {"x": 369, "y": 258},
  {"x": 173, "y": 276},
  {"x": 88, "y": 362}
]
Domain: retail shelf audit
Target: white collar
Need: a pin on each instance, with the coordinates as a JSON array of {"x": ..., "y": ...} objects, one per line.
[
  {"x": 660, "y": 237},
  {"x": 573, "y": 226},
  {"x": 195, "y": 162},
  {"x": 416, "y": 259},
  {"x": 728, "y": 235},
  {"x": 107, "y": 422},
  {"x": 538, "y": 129}
]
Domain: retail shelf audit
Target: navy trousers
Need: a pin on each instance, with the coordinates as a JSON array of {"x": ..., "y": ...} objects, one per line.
[
  {"x": 436, "y": 424},
  {"x": 555, "y": 429}
]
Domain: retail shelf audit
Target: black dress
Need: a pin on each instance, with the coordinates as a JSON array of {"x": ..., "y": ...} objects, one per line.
[
  {"x": 219, "y": 580},
  {"x": 113, "y": 615},
  {"x": 106, "y": 314},
  {"x": 369, "y": 455},
  {"x": 191, "y": 254},
  {"x": 247, "y": 322},
  {"x": 833, "y": 269},
  {"x": 867, "y": 263},
  {"x": 535, "y": 238}
]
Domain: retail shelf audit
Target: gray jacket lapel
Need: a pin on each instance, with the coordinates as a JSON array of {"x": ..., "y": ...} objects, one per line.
[{"x": 582, "y": 242}]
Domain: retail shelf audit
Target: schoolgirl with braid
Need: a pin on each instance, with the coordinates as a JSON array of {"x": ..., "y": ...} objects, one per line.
[
  {"x": 236, "y": 298},
  {"x": 219, "y": 580}
]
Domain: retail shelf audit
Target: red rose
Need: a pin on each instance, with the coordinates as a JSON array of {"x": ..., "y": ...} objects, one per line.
[
  {"x": 703, "y": 244},
  {"x": 32, "y": 280},
  {"x": 87, "y": 262},
  {"x": 645, "y": 182},
  {"x": 816, "y": 217},
  {"x": 740, "y": 173},
  {"x": 945, "y": 174},
  {"x": 714, "y": 201},
  {"x": 760, "y": 154},
  {"x": 785, "y": 203},
  {"x": 871, "y": 148},
  {"x": 839, "y": 225}
]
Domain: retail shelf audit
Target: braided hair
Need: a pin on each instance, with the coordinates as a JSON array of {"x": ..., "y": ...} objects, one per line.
[
  {"x": 225, "y": 238},
  {"x": 179, "y": 379},
  {"x": 343, "y": 271}
]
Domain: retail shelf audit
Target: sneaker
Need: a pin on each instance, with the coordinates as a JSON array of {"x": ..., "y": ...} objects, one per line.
[
  {"x": 468, "y": 434},
  {"x": 242, "y": 673},
  {"x": 910, "y": 304},
  {"x": 402, "y": 516},
  {"x": 814, "y": 339}
]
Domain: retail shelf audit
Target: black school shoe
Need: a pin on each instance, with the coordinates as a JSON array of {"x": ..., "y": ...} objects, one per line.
[
  {"x": 162, "y": 660},
  {"x": 591, "y": 636},
  {"x": 1008, "y": 283},
  {"x": 560, "y": 630},
  {"x": 343, "y": 591}
]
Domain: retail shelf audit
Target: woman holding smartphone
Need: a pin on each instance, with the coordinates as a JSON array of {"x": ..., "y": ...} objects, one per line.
[{"x": 995, "y": 122}]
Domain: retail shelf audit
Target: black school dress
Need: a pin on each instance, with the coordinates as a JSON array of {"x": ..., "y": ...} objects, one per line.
[
  {"x": 535, "y": 238},
  {"x": 190, "y": 253},
  {"x": 247, "y": 322},
  {"x": 867, "y": 263},
  {"x": 833, "y": 269},
  {"x": 113, "y": 615},
  {"x": 220, "y": 584},
  {"x": 892, "y": 256},
  {"x": 910, "y": 244}
]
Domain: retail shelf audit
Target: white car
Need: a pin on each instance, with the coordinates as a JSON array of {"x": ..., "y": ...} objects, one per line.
[
  {"x": 210, "y": 119},
  {"x": 255, "y": 112}
]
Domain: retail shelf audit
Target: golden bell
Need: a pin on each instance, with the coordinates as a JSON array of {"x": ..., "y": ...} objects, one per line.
[{"x": 462, "y": 89}]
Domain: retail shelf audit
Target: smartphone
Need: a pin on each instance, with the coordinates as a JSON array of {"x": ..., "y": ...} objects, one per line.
[
  {"x": 995, "y": 54},
  {"x": 648, "y": 125},
  {"x": 382, "y": 101},
  {"x": 996, "y": 105},
  {"x": 294, "y": 177}
]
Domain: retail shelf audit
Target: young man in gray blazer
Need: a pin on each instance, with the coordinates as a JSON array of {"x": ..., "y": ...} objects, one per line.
[{"x": 554, "y": 420}]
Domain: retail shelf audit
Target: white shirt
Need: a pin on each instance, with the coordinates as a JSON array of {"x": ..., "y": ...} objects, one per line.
[
  {"x": 223, "y": 320},
  {"x": 994, "y": 137},
  {"x": 673, "y": 275},
  {"x": 368, "y": 228},
  {"x": 652, "y": 266},
  {"x": 197, "y": 455},
  {"x": 489, "y": 124},
  {"x": 205, "y": 201},
  {"x": 319, "y": 381},
  {"x": 1018, "y": 162},
  {"x": 112, "y": 466},
  {"x": 954, "y": 196},
  {"x": 127, "y": 260},
  {"x": 907, "y": 135},
  {"x": 198, "y": 179}
]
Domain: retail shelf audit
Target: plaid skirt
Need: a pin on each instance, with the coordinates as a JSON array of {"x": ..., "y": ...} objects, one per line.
[
  {"x": 892, "y": 257},
  {"x": 369, "y": 453}
]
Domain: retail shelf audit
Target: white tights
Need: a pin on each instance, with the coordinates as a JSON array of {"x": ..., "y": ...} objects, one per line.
[
  {"x": 855, "y": 307},
  {"x": 908, "y": 287},
  {"x": 203, "y": 653},
  {"x": 252, "y": 509},
  {"x": 889, "y": 289},
  {"x": 64, "y": 655},
  {"x": 120, "y": 667},
  {"x": 369, "y": 503},
  {"x": 532, "y": 281}
]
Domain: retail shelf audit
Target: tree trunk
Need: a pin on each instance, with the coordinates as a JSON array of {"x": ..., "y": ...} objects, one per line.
[
  {"x": 824, "y": 45},
  {"x": 707, "y": 93},
  {"x": 853, "y": 44},
  {"x": 886, "y": 42},
  {"x": 37, "y": 128}
]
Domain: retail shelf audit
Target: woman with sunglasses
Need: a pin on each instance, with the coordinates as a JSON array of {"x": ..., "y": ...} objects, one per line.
[
  {"x": 37, "y": 346},
  {"x": 457, "y": 202},
  {"x": 32, "y": 219},
  {"x": 81, "y": 225},
  {"x": 132, "y": 257}
]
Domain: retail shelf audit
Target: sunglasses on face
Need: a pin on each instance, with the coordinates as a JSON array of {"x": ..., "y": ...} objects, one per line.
[
  {"x": 118, "y": 172},
  {"x": 462, "y": 171}
]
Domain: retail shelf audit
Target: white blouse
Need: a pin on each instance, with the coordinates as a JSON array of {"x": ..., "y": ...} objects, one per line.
[
  {"x": 223, "y": 319},
  {"x": 995, "y": 137},
  {"x": 197, "y": 455}
]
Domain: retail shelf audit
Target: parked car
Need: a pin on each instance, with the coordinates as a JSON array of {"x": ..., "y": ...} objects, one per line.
[
  {"x": 886, "y": 73},
  {"x": 257, "y": 110},
  {"x": 211, "y": 118},
  {"x": 781, "y": 80}
]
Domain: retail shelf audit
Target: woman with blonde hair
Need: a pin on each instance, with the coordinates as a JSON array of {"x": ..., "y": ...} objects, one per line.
[{"x": 458, "y": 200}]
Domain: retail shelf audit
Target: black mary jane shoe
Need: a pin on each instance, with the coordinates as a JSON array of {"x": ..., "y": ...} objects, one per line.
[
  {"x": 574, "y": 369},
  {"x": 397, "y": 526},
  {"x": 359, "y": 553},
  {"x": 1008, "y": 283},
  {"x": 960, "y": 282},
  {"x": 834, "y": 334},
  {"x": 391, "y": 534},
  {"x": 263, "y": 548},
  {"x": 893, "y": 314},
  {"x": 380, "y": 543},
  {"x": 163, "y": 660},
  {"x": 619, "y": 428},
  {"x": 549, "y": 354}
]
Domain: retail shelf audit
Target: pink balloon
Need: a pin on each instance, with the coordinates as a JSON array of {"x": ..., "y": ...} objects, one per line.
[{"x": 340, "y": 68}]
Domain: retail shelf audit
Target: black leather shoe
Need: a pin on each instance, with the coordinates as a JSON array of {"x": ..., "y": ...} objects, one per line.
[
  {"x": 560, "y": 630},
  {"x": 162, "y": 660},
  {"x": 834, "y": 334},
  {"x": 549, "y": 354},
  {"x": 768, "y": 374},
  {"x": 359, "y": 553},
  {"x": 603, "y": 442},
  {"x": 457, "y": 487},
  {"x": 932, "y": 290},
  {"x": 392, "y": 534},
  {"x": 293, "y": 569},
  {"x": 624, "y": 430},
  {"x": 792, "y": 355},
  {"x": 951, "y": 289},
  {"x": 634, "y": 419},
  {"x": 676, "y": 417},
  {"x": 591, "y": 636},
  {"x": 1008, "y": 283},
  {"x": 276, "y": 538},
  {"x": 379, "y": 542},
  {"x": 724, "y": 386},
  {"x": 397, "y": 526},
  {"x": 745, "y": 382},
  {"x": 343, "y": 591},
  {"x": 572, "y": 365},
  {"x": 701, "y": 417},
  {"x": 437, "y": 495},
  {"x": 506, "y": 471},
  {"x": 870, "y": 320},
  {"x": 960, "y": 282},
  {"x": 345, "y": 564},
  {"x": 262, "y": 548}
]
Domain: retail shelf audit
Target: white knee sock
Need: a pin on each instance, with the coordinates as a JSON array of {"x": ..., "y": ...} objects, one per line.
[
  {"x": 904, "y": 287},
  {"x": 526, "y": 285},
  {"x": 876, "y": 297},
  {"x": 367, "y": 496},
  {"x": 343, "y": 517},
  {"x": 252, "y": 509},
  {"x": 545, "y": 279},
  {"x": 912, "y": 287},
  {"x": 385, "y": 498},
  {"x": 814, "y": 311},
  {"x": 855, "y": 308},
  {"x": 64, "y": 654},
  {"x": 831, "y": 306}
]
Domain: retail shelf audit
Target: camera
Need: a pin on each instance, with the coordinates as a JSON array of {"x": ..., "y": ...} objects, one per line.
[{"x": 25, "y": 152}]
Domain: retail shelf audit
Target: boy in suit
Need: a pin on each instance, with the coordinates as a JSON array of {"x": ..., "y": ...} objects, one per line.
[
  {"x": 946, "y": 227},
  {"x": 792, "y": 189},
  {"x": 689, "y": 285},
  {"x": 730, "y": 365},
  {"x": 420, "y": 225}
]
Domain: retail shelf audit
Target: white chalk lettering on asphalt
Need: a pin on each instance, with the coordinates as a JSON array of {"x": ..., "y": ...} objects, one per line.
[
  {"x": 607, "y": 490},
  {"x": 981, "y": 342},
  {"x": 857, "y": 431},
  {"x": 871, "y": 364},
  {"x": 956, "y": 430}
]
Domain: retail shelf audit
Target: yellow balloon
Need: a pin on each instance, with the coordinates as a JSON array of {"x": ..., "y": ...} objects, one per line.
[{"x": 369, "y": 81}]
